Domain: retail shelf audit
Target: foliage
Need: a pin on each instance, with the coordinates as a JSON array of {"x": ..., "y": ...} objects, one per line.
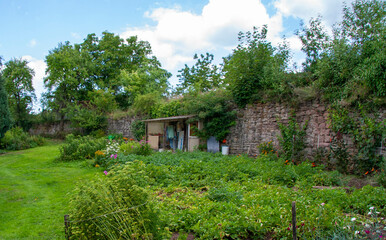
[
  {"x": 214, "y": 109},
  {"x": 168, "y": 108},
  {"x": 18, "y": 85},
  {"x": 17, "y": 139},
  {"x": 230, "y": 193},
  {"x": 365, "y": 130},
  {"x": 79, "y": 148},
  {"x": 5, "y": 120},
  {"x": 145, "y": 103},
  {"x": 266, "y": 148},
  {"x": 98, "y": 75},
  {"x": 255, "y": 66},
  {"x": 313, "y": 38},
  {"x": 113, "y": 206},
  {"x": 202, "y": 77},
  {"x": 138, "y": 129},
  {"x": 292, "y": 139},
  {"x": 350, "y": 66},
  {"x": 134, "y": 147}
]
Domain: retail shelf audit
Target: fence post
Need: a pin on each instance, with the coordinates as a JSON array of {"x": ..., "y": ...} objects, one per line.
[
  {"x": 66, "y": 227},
  {"x": 294, "y": 220}
]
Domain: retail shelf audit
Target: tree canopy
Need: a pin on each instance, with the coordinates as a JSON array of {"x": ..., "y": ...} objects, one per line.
[{"x": 18, "y": 85}]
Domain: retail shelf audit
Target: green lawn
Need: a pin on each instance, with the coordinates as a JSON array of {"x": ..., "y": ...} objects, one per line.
[{"x": 34, "y": 192}]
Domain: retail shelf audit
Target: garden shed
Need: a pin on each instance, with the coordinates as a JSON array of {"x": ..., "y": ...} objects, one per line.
[{"x": 176, "y": 133}]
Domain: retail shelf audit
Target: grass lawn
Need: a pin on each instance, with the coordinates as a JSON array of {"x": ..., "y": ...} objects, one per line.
[{"x": 33, "y": 192}]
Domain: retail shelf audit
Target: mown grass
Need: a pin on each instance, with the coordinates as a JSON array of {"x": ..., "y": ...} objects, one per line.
[{"x": 33, "y": 192}]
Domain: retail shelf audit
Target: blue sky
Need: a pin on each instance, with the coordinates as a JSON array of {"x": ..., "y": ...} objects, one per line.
[{"x": 176, "y": 29}]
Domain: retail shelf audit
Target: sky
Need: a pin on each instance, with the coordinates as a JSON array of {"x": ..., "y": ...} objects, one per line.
[{"x": 176, "y": 29}]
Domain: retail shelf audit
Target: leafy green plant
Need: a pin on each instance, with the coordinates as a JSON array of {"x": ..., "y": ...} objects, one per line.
[
  {"x": 17, "y": 139},
  {"x": 214, "y": 109},
  {"x": 112, "y": 207},
  {"x": 134, "y": 147},
  {"x": 266, "y": 148},
  {"x": 138, "y": 129},
  {"x": 292, "y": 139},
  {"x": 79, "y": 148}
]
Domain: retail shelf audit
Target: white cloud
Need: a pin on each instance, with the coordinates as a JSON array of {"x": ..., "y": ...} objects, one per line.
[
  {"x": 178, "y": 35},
  {"x": 330, "y": 10},
  {"x": 39, "y": 67},
  {"x": 32, "y": 43}
]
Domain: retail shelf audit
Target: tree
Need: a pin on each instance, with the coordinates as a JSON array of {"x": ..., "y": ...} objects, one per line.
[
  {"x": 124, "y": 67},
  {"x": 203, "y": 76},
  {"x": 255, "y": 66},
  {"x": 67, "y": 78},
  {"x": 352, "y": 66},
  {"x": 314, "y": 39},
  {"x": 5, "y": 120},
  {"x": 18, "y": 84}
]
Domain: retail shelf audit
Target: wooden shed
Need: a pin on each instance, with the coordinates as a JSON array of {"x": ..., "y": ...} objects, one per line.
[{"x": 176, "y": 133}]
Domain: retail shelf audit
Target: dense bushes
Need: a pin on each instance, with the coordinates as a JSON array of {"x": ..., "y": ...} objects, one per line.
[
  {"x": 17, "y": 139},
  {"x": 77, "y": 148}
]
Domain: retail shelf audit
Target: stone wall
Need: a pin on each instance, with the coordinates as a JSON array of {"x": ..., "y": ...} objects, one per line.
[
  {"x": 255, "y": 124},
  {"x": 258, "y": 123},
  {"x": 52, "y": 130},
  {"x": 121, "y": 126}
]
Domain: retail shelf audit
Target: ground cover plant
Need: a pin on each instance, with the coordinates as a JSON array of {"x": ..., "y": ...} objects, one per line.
[
  {"x": 33, "y": 192},
  {"x": 239, "y": 197}
]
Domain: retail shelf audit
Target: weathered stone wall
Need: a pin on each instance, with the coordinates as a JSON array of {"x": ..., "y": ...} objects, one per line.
[
  {"x": 258, "y": 123},
  {"x": 52, "y": 130},
  {"x": 255, "y": 124},
  {"x": 121, "y": 126}
]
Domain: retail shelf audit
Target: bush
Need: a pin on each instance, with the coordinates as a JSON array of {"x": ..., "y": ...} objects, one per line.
[
  {"x": 138, "y": 148},
  {"x": 17, "y": 139},
  {"x": 115, "y": 206},
  {"x": 78, "y": 148}
]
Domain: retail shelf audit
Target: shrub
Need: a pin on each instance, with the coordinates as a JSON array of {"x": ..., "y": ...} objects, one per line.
[
  {"x": 78, "y": 148},
  {"x": 138, "y": 129},
  {"x": 115, "y": 206},
  {"x": 266, "y": 148},
  {"x": 292, "y": 139},
  {"x": 134, "y": 147},
  {"x": 17, "y": 139}
]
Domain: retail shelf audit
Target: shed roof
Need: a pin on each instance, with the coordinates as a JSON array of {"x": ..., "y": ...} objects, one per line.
[{"x": 170, "y": 119}]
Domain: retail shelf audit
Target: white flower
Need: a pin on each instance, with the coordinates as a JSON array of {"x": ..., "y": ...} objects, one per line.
[
  {"x": 371, "y": 208},
  {"x": 322, "y": 204},
  {"x": 353, "y": 219},
  {"x": 357, "y": 232},
  {"x": 369, "y": 213}
]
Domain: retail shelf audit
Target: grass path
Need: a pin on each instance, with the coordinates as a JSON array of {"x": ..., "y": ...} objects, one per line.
[{"x": 33, "y": 192}]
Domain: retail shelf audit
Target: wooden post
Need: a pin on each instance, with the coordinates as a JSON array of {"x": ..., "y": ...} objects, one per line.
[
  {"x": 294, "y": 220},
  {"x": 66, "y": 227}
]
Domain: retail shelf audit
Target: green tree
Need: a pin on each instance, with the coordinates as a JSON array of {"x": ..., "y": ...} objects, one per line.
[
  {"x": 255, "y": 66},
  {"x": 18, "y": 85},
  {"x": 67, "y": 78},
  {"x": 215, "y": 110},
  {"x": 314, "y": 39},
  {"x": 5, "y": 120},
  {"x": 351, "y": 66},
  {"x": 124, "y": 67},
  {"x": 203, "y": 76}
]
